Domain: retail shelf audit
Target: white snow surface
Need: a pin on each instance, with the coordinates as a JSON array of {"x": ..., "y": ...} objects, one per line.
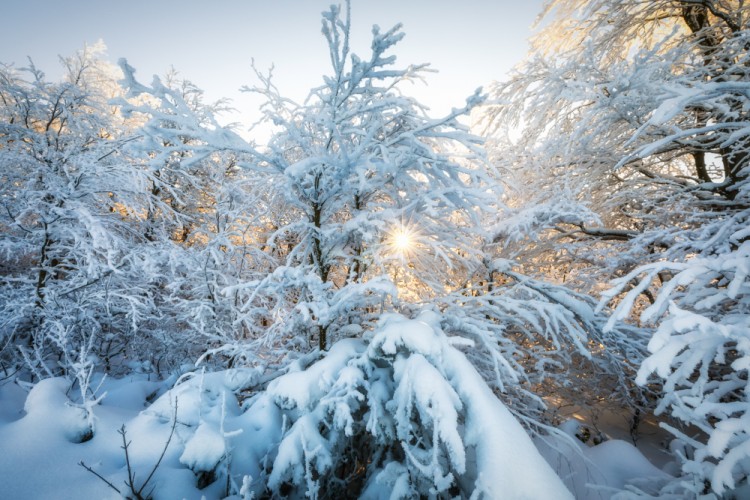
[
  {"x": 204, "y": 450},
  {"x": 39, "y": 456}
]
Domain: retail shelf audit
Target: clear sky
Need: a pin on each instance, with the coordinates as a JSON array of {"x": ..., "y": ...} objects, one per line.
[{"x": 470, "y": 42}]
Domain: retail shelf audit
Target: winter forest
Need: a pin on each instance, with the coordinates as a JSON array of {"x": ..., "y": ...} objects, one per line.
[{"x": 544, "y": 293}]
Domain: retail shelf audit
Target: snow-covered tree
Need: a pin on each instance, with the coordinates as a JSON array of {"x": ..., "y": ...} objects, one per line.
[
  {"x": 368, "y": 176},
  {"x": 124, "y": 216},
  {"x": 382, "y": 200},
  {"x": 638, "y": 111},
  {"x": 178, "y": 147},
  {"x": 67, "y": 196},
  {"x": 203, "y": 223},
  {"x": 624, "y": 106}
]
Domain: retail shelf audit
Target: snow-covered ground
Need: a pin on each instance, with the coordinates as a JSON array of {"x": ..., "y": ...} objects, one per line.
[{"x": 199, "y": 441}]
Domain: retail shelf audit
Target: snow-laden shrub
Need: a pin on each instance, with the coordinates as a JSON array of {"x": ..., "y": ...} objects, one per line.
[
  {"x": 701, "y": 355},
  {"x": 401, "y": 416}
]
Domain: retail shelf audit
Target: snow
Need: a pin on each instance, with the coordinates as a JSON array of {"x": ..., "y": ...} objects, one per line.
[
  {"x": 418, "y": 379},
  {"x": 13, "y": 397},
  {"x": 138, "y": 240},
  {"x": 38, "y": 458},
  {"x": 520, "y": 473},
  {"x": 204, "y": 450},
  {"x": 398, "y": 332},
  {"x": 620, "y": 462},
  {"x": 300, "y": 389},
  {"x": 295, "y": 453},
  {"x": 48, "y": 398},
  {"x": 600, "y": 471}
]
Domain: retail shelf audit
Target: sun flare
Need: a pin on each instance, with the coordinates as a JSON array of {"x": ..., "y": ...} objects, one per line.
[{"x": 402, "y": 240}]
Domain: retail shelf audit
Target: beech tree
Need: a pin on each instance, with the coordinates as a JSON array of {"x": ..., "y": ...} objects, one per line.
[
  {"x": 360, "y": 166},
  {"x": 202, "y": 226},
  {"x": 637, "y": 110},
  {"x": 67, "y": 194},
  {"x": 628, "y": 115}
]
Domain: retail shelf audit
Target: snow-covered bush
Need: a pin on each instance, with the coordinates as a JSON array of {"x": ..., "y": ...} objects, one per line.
[{"x": 403, "y": 415}]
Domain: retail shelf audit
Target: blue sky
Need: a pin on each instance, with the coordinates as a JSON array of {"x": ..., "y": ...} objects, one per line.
[{"x": 470, "y": 42}]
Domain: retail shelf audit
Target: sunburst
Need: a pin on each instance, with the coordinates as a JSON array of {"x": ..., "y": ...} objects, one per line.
[{"x": 402, "y": 240}]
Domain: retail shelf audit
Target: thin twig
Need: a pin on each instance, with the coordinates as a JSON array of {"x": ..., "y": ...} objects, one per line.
[
  {"x": 131, "y": 475},
  {"x": 116, "y": 149},
  {"x": 164, "y": 451},
  {"x": 82, "y": 464}
]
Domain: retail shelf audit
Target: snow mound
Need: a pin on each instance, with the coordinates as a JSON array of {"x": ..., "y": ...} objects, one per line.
[
  {"x": 204, "y": 450},
  {"x": 48, "y": 397},
  {"x": 602, "y": 471}
]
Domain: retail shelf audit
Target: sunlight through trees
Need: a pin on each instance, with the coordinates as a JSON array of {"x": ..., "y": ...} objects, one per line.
[{"x": 378, "y": 302}]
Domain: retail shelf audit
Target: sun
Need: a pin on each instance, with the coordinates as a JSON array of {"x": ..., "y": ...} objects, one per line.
[{"x": 402, "y": 240}]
